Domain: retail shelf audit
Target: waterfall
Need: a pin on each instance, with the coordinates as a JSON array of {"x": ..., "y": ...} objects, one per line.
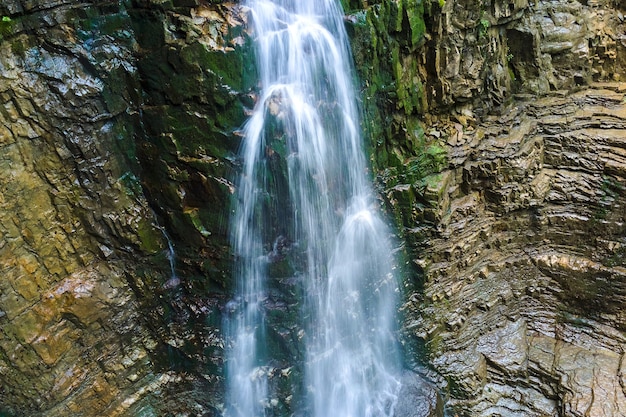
[
  {"x": 307, "y": 111},
  {"x": 173, "y": 281}
]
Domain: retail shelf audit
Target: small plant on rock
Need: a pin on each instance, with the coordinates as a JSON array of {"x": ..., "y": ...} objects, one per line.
[
  {"x": 6, "y": 26},
  {"x": 484, "y": 25}
]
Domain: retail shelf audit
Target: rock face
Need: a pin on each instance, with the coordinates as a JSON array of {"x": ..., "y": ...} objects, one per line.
[
  {"x": 524, "y": 294},
  {"x": 116, "y": 129},
  {"x": 507, "y": 177}
]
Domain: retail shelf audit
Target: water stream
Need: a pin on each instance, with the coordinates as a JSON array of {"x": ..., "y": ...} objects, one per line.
[{"x": 307, "y": 118}]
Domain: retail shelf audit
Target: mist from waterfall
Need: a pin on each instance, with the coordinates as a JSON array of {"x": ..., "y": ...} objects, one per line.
[{"x": 330, "y": 215}]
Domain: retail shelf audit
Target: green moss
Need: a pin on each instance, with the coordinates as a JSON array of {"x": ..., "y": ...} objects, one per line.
[
  {"x": 131, "y": 184},
  {"x": 183, "y": 133},
  {"x": 435, "y": 345},
  {"x": 483, "y": 26},
  {"x": 429, "y": 158},
  {"x": 194, "y": 216},
  {"x": 434, "y": 182},
  {"x": 124, "y": 135},
  {"x": 6, "y": 27},
  {"x": 19, "y": 46},
  {"x": 598, "y": 216},
  {"x": 415, "y": 17},
  {"x": 191, "y": 134},
  {"x": 409, "y": 88},
  {"x": 230, "y": 68},
  {"x": 392, "y": 88},
  {"x": 148, "y": 28},
  {"x": 151, "y": 239},
  {"x": 349, "y": 6}
]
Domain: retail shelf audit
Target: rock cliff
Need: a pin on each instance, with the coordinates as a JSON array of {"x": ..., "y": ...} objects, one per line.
[
  {"x": 522, "y": 309},
  {"x": 498, "y": 145},
  {"x": 117, "y": 128},
  {"x": 504, "y": 166}
]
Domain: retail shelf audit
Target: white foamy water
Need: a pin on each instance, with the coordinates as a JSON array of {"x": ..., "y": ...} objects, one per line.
[{"x": 349, "y": 314}]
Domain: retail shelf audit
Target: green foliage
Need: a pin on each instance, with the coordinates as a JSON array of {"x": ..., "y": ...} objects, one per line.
[
  {"x": 6, "y": 27},
  {"x": 483, "y": 26}
]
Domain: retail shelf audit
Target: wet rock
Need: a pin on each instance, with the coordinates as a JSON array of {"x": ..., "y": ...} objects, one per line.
[
  {"x": 523, "y": 290},
  {"x": 88, "y": 302},
  {"x": 418, "y": 398},
  {"x": 116, "y": 116},
  {"x": 516, "y": 236}
]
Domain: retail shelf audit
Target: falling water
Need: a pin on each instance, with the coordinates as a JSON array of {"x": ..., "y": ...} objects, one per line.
[
  {"x": 307, "y": 106},
  {"x": 173, "y": 281}
]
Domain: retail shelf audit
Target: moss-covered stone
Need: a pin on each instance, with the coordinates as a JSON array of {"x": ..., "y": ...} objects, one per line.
[{"x": 385, "y": 38}]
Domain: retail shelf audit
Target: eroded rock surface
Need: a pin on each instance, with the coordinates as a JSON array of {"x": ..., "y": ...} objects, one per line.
[
  {"x": 524, "y": 267},
  {"x": 116, "y": 127},
  {"x": 505, "y": 168},
  {"x": 506, "y": 171}
]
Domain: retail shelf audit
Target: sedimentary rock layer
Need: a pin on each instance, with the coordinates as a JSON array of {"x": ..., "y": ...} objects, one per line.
[{"x": 523, "y": 307}]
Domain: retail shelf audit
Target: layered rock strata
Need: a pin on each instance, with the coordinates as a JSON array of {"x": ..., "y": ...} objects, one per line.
[
  {"x": 504, "y": 169},
  {"x": 118, "y": 129},
  {"x": 525, "y": 273}
]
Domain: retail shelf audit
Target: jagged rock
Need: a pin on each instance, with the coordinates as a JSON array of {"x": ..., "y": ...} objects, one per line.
[
  {"x": 118, "y": 132},
  {"x": 524, "y": 278},
  {"x": 87, "y": 323},
  {"x": 517, "y": 239}
]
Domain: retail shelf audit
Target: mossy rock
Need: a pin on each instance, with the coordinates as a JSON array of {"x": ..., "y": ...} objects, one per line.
[{"x": 232, "y": 68}]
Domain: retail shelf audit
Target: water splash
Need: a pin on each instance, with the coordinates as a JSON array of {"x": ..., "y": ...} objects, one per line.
[{"x": 307, "y": 105}]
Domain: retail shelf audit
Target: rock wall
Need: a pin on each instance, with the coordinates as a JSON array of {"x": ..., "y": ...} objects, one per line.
[
  {"x": 117, "y": 128},
  {"x": 522, "y": 310},
  {"x": 500, "y": 153},
  {"x": 497, "y": 143}
]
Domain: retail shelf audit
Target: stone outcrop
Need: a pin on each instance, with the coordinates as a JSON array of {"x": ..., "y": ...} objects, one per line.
[{"x": 522, "y": 310}]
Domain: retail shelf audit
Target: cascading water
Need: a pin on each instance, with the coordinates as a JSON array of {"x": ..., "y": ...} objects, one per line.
[{"x": 307, "y": 104}]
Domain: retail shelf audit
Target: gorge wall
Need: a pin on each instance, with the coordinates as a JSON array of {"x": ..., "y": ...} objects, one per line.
[
  {"x": 117, "y": 140},
  {"x": 503, "y": 162},
  {"x": 498, "y": 146}
]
